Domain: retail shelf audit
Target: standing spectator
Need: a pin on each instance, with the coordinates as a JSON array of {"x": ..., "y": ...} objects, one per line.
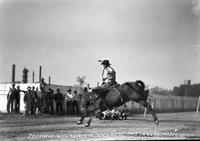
[
  {"x": 75, "y": 103},
  {"x": 28, "y": 100},
  {"x": 33, "y": 101},
  {"x": 89, "y": 89},
  {"x": 17, "y": 99},
  {"x": 85, "y": 90},
  {"x": 49, "y": 100},
  {"x": 42, "y": 89},
  {"x": 11, "y": 98},
  {"x": 69, "y": 99},
  {"x": 42, "y": 85},
  {"x": 38, "y": 103},
  {"x": 59, "y": 101}
]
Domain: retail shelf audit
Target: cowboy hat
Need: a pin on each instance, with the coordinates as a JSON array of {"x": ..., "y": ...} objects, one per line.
[{"x": 105, "y": 62}]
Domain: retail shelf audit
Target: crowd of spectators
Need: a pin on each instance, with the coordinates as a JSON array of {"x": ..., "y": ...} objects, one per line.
[{"x": 44, "y": 101}]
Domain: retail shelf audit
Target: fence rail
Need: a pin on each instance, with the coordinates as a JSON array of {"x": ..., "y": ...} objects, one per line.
[{"x": 161, "y": 103}]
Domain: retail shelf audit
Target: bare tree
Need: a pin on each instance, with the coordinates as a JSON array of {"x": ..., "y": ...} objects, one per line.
[{"x": 81, "y": 80}]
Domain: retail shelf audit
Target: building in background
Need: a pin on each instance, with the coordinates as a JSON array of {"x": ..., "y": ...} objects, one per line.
[{"x": 187, "y": 89}]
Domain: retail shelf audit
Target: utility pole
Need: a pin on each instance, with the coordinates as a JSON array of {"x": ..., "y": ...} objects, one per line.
[
  {"x": 40, "y": 73},
  {"x": 13, "y": 74},
  {"x": 33, "y": 75}
]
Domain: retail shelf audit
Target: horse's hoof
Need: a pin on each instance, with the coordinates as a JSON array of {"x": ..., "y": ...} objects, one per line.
[
  {"x": 87, "y": 125},
  {"x": 157, "y": 122},
  {"x": 79, "y": 122}
]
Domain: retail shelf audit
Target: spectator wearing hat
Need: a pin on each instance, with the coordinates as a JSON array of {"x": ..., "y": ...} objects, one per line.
[
  {"x": 28, "y": 100},
  {"x": 34, "y": 99},
  {"x": 17, "y": 100},
  {"x": 49, "y": 100},
  {"x": 58, "y": 97},
  {"x": 38, "y": 103},
  {"x": 42, "y": 89},
  {"x": 11, "y": 96},
  {"x": 42, "y": 85}
]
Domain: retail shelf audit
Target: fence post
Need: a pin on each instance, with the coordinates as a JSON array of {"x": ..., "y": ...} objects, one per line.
[{"x": 197, "y": 112}]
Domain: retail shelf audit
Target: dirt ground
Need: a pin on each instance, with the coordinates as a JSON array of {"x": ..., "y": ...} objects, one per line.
[{"x": 47, "y": 127}]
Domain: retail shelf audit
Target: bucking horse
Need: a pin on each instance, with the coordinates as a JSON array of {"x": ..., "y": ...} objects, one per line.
[{"x": 92, "y": 104}]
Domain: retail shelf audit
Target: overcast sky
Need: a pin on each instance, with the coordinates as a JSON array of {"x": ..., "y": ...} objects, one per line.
[{"x": 156, "y": 41}]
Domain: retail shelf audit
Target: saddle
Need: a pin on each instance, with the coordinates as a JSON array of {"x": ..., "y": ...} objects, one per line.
[{"x": 101, "y": 91}]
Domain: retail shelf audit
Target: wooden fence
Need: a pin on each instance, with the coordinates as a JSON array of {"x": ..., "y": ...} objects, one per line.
[{"x": 161, "y": 103}]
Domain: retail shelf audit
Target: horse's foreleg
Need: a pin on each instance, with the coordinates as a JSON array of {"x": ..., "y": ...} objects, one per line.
[
  {"x": 91, "y": 117},
  {"x": 94, "y": 110},
  {"x": 149, "y": 108},
  {"x": 84, "y": 113},
  {"x": 80, "y": 120}
]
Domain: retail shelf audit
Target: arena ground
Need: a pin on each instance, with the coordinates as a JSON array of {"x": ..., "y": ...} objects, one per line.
[{"x": 45, "y": 127}]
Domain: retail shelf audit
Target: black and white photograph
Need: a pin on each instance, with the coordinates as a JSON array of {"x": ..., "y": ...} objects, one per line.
[{"x": 88, "y": 70}]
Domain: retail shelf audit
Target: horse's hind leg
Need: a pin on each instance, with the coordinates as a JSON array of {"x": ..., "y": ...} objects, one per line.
[
  {"x": 149, "y": 108},
  {"x": 89, "y": 121}
]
